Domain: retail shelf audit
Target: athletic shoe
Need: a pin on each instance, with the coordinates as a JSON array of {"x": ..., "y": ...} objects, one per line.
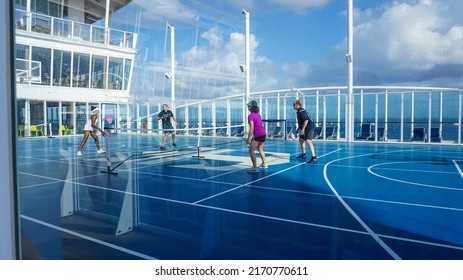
[
  {"x": 100, "y": 151},
  {"x": 312, "y": 160},
  {"x": 254, "y": 170},
  {"x": 174, "y": 145},
  {"x": 264, "y": 166},
  {"x": 79, "y": 153},
  {"x": 302, "y": 156},
  {"x": 163, "y": 148}
]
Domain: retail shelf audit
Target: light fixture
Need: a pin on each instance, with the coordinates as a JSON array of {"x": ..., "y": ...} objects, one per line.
[
  {"x": 243, "y": 68},
  {"x": 169, "y": 26},
  {"x": 168, "y": 75},
  {"x": 244, "y": 12},
  {"x": 348, "y": 58}
]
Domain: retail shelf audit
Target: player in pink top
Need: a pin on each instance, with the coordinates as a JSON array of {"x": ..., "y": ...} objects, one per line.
[{"x": 256, "y": 136}]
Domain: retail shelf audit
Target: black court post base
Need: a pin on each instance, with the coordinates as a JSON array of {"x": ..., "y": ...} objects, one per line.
[
  {"x": 108, "y": 155},
  {"x": 198, "y": 156},
  {"x": 109, "y": 171}
]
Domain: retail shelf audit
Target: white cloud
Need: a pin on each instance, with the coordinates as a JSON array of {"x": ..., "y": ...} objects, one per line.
[
  {"x": 259, "y": 7},
  {"x": 409, "y": 36},
  {"x": 298, "y": 5},
  {"x": 160, "y": 9},
  {"x": 401, "y": 40}
]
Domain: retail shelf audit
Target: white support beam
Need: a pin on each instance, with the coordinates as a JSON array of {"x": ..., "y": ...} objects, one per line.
[{"x": 8, "y": 209}]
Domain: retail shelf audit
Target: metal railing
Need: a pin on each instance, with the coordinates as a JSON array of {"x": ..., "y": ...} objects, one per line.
[
  {"x": 77, "y": 31},
  {"x": 391, "y": 114}
]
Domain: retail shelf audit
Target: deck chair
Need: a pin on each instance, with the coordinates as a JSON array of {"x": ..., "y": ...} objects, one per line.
[
  {"x": 181, "y": 128},
  {"x": 330, "y": 132},
  {"x": 70, "y": 129},
  {"x": 21, "y": 130},
  {"x": 40, "y": 129},
  {"x": 64, "y": 130},
  {"x": 33, "y": 130},
  {"x": 221, "y": 132},
  {"x": 418, "y": 134},
  {"x": 193, "y": 129},
  {"x": 289, "y": 130},
  {"x": 238, "y": 132},
  {"x": 436, "y": 135},
  {"x": 277, "y": 132},
  {"x": 318, "y": 132},
  {"x": 381, "y": 135},
  {"x": 365, "y": 131}
]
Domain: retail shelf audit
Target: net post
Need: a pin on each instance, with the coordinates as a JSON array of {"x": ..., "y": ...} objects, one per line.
[
  {"x": 198, "y": 156},
  {"x": 198, "y": 146},
  {"x": 108, "y": 154}
]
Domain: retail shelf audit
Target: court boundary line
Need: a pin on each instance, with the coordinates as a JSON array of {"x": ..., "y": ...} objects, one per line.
[
  {"x": 135, "y": 253},
  {"x": 375, "y": 236},
  {"x": 262, "y": 178},
  {"x": 240, "y": 169},
  {"x": 55, "y": 181},
  {"x": 458, "y": 168},
  {"x": 88, "y": 238},
  {"x": 408, "y": 182},
  {"x": 395, "y": 169},
  {"x": 247, "y": 214},
  {"x": 385, "y": 236}
]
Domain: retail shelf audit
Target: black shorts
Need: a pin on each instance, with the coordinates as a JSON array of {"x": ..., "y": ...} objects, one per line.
[
  {"x": 308, "y": 134},
  {"x": 168, "y": 128},
  {"x": 260, "y": 139}
]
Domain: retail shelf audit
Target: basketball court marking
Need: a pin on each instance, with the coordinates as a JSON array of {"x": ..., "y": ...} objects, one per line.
[
  {"x": 378, "y": 166},
  {"x": 404, "y": 203},
  {"x": 98, "y": 241},
  {"x": 262, "y": 178},
  {"x": 458, "y": 168},
  {"x": 224, "y": 209},
  {"x": 351, "y": 211},
  {"x": 408, "y": 182},
  {"x": 242, "y": 162}
]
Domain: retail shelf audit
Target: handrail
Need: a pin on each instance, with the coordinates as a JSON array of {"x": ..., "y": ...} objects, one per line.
[{"x": 69, "y": 29}]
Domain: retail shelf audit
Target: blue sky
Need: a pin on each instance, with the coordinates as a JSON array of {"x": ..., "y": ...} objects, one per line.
[{"x": 295, "y": 43}]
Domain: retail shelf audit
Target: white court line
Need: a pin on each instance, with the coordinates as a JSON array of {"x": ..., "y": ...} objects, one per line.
[
  {"x": 218, "y": 209},
  {"x": 352, "y": 212},
  {"x": 262, "y": 178},
  {"x": 407, "y": 182},
  {"x": 458, "y": 168},
  {"x": 115, "y": 247}
]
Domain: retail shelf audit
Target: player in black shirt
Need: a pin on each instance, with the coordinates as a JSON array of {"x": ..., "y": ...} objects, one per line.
[
  {"x": 306, "y": 128},
  {"x": 165, "y": 115}
]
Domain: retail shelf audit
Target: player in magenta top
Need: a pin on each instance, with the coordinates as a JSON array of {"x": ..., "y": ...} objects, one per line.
[{"x": 256, "y": 136}]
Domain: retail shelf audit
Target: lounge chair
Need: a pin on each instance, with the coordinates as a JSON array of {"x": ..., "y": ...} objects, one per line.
[
  {"x": 418, "y": 134},
  {"x": 436, "y": 135},
  {"x": 330, "y": 132},
  {"x": 365, "y": 131},
  {"x": 277, "y": 132},
  {"x": 381, "y": 135},
  {"x": 318, "y": 132}
]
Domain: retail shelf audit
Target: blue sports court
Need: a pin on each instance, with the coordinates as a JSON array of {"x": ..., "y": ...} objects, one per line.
[{"x": 360, "y": 201}]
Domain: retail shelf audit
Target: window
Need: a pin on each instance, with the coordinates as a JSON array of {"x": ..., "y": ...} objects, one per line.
[{"x": 61, "y": 68}]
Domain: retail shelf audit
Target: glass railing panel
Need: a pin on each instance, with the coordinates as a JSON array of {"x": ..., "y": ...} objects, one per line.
[
  {"x": 20, "y": 19},
  {"x": 98, "y": 34},
  {"x": 41, "y": 24},
  {"x": 61, "y": 28},
  {"x": 81, "y": 31},
  {"x": 116, "y": 37}
]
